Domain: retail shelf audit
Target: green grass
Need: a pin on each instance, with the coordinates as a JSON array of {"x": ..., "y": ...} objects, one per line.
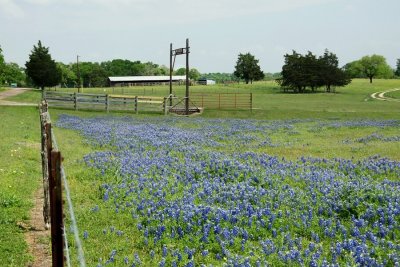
[
  {"x": 394, "y": 94},
  {"x": 20, "y": 177},
  {"x": 270, "y": 102},
  {"x": 20, "y": 158},
  {"x": 306, "y": 139},
  {"x": 30, "y": 96}
]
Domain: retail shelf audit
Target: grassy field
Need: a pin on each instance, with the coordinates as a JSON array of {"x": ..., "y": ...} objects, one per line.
[
  {"x": 346, "y": 125},
  {"x": 20, "y": 178},
  {"x": 31, "y": 96},
  {"x": 352, "y": 101},
  {"x": 395, "y": 94}
]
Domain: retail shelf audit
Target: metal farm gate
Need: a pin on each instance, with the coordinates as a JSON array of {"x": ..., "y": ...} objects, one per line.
[{"x": 223, "y": 100}]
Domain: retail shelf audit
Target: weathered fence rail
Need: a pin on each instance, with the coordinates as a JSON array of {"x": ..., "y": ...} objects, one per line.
[
  {"x": 223, "y": 100},
  {"x": 107, "y": 102}
]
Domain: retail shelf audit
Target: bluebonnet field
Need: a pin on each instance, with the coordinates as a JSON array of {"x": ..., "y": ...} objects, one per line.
[{"x": 199, "y": 192}]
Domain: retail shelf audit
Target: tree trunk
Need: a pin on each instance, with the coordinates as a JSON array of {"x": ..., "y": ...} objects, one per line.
[{"x": 370, "y": 79}]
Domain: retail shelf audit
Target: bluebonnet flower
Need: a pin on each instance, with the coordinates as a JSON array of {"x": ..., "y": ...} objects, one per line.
[{"x": 169, "y": 179}]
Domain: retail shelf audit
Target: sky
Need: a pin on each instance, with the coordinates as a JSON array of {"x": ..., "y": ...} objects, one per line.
[{"x": 218, "y": 30}]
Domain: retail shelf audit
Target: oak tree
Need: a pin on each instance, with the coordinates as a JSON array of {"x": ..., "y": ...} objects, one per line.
[{"x": 247, "y": 68}]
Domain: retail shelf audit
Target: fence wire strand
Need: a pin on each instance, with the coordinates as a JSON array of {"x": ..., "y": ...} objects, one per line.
[{"x": 66, "y": 247}]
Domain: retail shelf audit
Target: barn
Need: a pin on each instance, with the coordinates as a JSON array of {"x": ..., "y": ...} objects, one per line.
[
  {"x": 144, "y": 80},
  {"x": 205, "y": 81}
]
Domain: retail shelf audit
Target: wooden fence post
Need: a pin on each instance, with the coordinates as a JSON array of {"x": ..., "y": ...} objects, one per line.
[
  {"x": 251, "y": 102},
  {"x": 45, "y": 170},
  {"x": 107, "y": 103},
  {"x": 136, "y": 105},
  {"x": 75, "y": 101},
  {"x": 165, "y": 106},
  {"x": 57, "y": 241}
]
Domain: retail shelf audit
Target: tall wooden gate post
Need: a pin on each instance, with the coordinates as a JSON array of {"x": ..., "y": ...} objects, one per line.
[{"x": 174, "y": 53}]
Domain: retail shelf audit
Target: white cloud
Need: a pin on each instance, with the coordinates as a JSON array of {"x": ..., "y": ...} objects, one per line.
[
  {"x": 39, "y": 2},
  {"x": 10, "y": 9},
  {"x": 178, "y": 11}
]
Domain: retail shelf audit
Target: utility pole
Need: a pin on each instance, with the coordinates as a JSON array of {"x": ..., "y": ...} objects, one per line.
[{"x": 79, "y": 74}]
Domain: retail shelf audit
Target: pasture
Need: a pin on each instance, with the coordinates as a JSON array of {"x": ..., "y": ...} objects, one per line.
[
  {"x": 301, "y": 180},
  {"x": 394, "y": 94},
  {"x": 20, "y": 174},
  {"x": 269, "y": 102}
]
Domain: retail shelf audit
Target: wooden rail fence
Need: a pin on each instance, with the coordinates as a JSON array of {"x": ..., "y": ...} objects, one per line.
[
  {"x": 52, "y": 188},
  {"x": 111, "y": 102},
  {"x": 106, "y": 102}
]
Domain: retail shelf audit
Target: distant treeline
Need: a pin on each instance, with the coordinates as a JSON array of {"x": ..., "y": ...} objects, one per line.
[
  {"x": 299, "y": 72},
  {"x": 230, "y": 77}
]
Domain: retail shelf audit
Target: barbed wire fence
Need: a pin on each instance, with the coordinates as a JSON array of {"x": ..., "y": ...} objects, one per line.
[{"x": 54, "y": 182}]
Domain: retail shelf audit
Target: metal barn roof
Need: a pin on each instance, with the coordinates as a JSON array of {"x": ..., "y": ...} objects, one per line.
[{"x": 146, "y": 78}]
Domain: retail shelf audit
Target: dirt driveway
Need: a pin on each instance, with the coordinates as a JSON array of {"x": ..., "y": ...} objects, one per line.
[{"x": 13, "y": 92}]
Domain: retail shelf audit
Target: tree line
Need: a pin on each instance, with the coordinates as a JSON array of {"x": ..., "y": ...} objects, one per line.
[
  {"x": 300, "y": 73},
  {"x": 41, "y": 70}
]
